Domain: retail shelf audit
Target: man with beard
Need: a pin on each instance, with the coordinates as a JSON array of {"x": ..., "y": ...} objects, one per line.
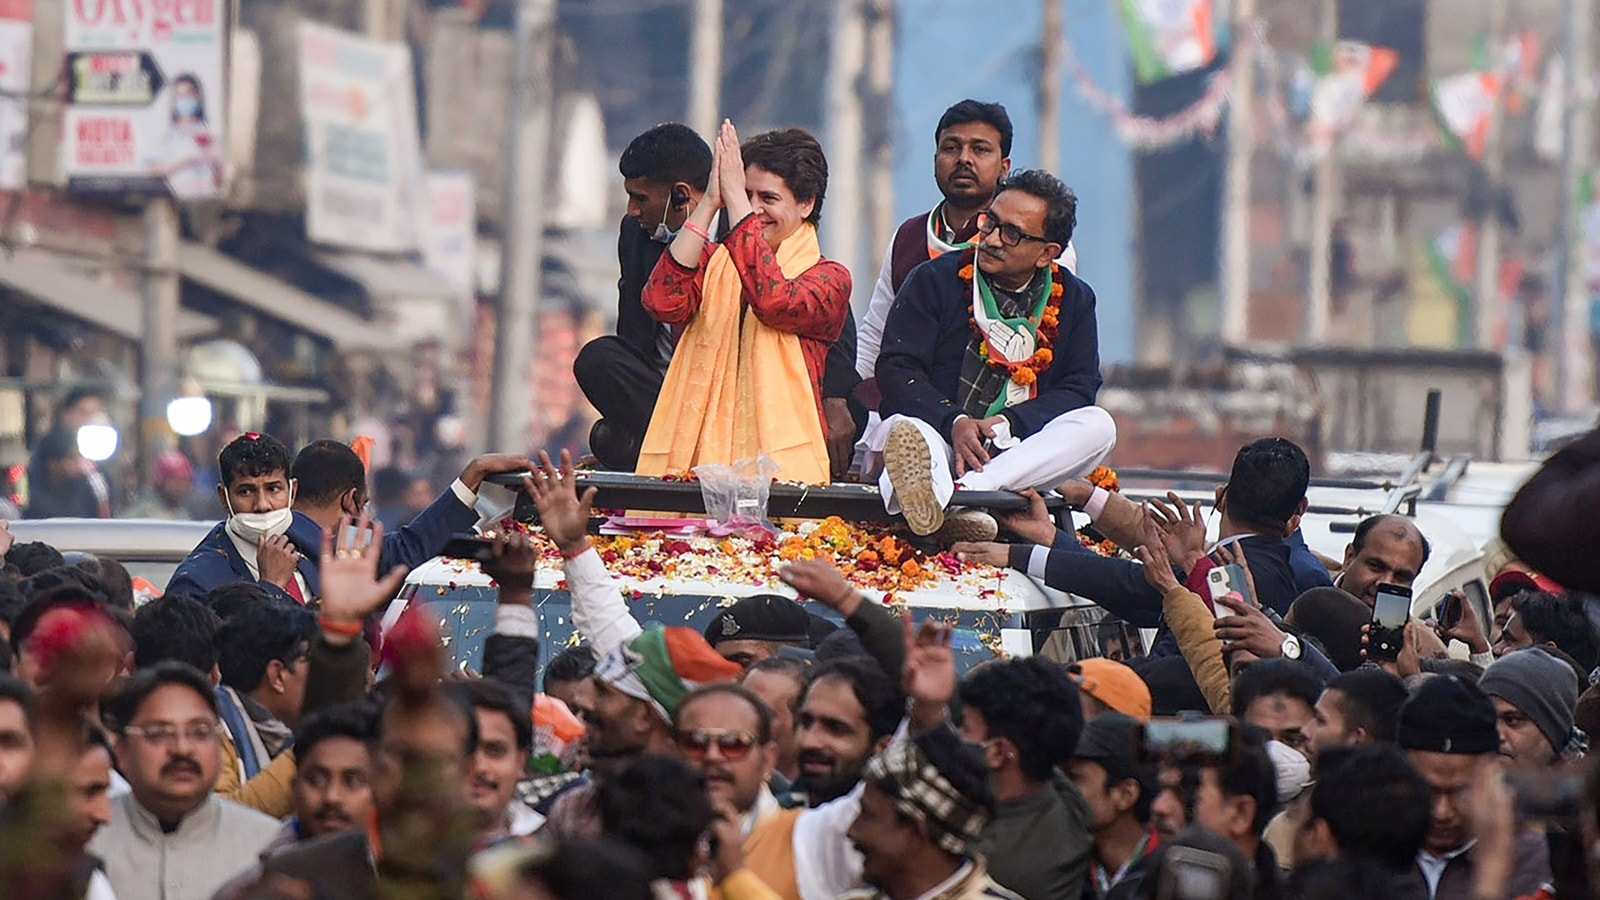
[
  {"x": 972, "y": 152},
  {"x": 1385, "y": 549},
  {"x": 172, "y": 838},
  {"x": 779, "y": 681},
  {"x": 628, "y": 710}
]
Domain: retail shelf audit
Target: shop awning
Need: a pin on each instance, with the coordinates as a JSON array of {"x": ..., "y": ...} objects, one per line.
[
  {"x": 285, "y": 302},
  {"x": 389, "y": 278},
  {"x": 55, "y": 280}
]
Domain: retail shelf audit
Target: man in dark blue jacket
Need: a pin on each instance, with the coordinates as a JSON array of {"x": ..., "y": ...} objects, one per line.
[
  {"x": 991, "y": 362},
  {"x": 265, "y": 541}
]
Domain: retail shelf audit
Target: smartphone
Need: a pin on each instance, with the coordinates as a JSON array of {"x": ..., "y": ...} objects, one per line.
[
  {"x": 1186, "y": 738},
  {"x": 1228, "y": 581},
  {"x": 1190, "y": 873},
  {"x": 1447, "y": 612},
  {"x": 469, "y": 546},
  {"x": 1390, "y": 612}
]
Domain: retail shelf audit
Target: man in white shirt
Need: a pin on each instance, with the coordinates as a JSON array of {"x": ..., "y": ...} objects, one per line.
[{"x": 172, "y": 838}]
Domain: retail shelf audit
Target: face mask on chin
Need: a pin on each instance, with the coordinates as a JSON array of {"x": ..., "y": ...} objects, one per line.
[
  {"x": 662, "y": 235},
  {"x": 252, "y": 527}
]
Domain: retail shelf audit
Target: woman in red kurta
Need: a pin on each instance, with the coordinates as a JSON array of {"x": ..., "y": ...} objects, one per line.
[{"x": 758, "y": 314}]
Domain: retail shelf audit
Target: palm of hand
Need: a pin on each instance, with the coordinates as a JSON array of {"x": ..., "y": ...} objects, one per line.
[{"x": 350, "y": 587}]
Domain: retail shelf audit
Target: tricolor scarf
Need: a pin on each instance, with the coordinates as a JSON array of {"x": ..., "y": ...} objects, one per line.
[
  {"x": 661, "y": 666},
  {"x": 737, "y": 387},
  {"x": 1011, "y": 321}
]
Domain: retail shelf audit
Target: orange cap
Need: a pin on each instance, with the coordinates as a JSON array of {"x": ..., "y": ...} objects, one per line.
[{"x": 1113, "y": 684}]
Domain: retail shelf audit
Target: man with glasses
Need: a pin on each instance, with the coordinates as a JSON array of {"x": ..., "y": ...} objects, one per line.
[
  {"x": 990, "y": 366},
  {"x": 172, "y": 837},
  {"x": 725, "y": 731}
]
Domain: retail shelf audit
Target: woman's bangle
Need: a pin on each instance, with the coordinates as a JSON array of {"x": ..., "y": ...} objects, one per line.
[
  {"x": 694, "y": 228},
  {"x": 347, "y": 629}
]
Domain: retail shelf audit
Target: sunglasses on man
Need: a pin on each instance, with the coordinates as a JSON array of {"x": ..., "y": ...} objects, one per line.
[{"x": 732, "y": 745}]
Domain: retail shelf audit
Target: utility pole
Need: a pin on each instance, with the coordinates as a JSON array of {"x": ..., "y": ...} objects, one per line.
[
  {"x": 1236, "y": 199},
  {"x": 1047, "y": 94},
  {"x": 1486, "y": 288},
  {"x": 375, "y": 20},
  {"x": 1325, "y": 187},
  {"x": 880, "y": 87},
  {"x": 517, "y": 331},
  {"x": 842, "y": 114},
  {"x": 705, "y": 68},
  {"x": 158, "y": 352},
  {"x": 1569, "y": 315}
]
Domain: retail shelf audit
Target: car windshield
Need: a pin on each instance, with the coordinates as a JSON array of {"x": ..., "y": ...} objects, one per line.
[{"x": 468, "y": 615}]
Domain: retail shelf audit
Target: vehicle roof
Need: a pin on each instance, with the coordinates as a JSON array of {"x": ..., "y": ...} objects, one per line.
[
  {"x": 120, "y": 539},
  {"x": 981, "y": 591}
]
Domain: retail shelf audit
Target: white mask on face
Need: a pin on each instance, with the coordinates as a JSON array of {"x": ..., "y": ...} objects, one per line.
[{"x": 252, "y": 527}]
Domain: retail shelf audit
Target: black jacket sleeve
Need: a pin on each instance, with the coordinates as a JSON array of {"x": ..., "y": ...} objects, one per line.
[
  {"x": 1549, "y": 522},
  {"x": 1117, "y": 585},
  {"x": 881, "y": 635},
  {"x": 911, "y": 349},
  {"x": 839, "y": 376},
  {"x": 337, "y": 674},
  {"x": 512, "y": 661}
]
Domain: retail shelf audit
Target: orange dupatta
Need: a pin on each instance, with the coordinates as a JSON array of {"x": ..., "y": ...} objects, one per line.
[{"x": 726, "y": 361}]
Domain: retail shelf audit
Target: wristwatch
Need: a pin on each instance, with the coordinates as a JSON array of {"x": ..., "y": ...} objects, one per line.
[{"x": 1291, "y": 647}]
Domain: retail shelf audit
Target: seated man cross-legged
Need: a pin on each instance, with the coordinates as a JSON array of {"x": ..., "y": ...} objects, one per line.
[{"x": 990, "y": 365}]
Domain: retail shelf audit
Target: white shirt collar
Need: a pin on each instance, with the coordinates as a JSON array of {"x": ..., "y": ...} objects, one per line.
[
  {"x": 949, "y": 883},
  {"x": 765, "y": 805},
  {"x": 1433, "y": 866}
]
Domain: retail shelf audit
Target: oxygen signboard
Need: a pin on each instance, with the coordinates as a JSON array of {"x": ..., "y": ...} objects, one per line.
[{"x": 145, "y": 98}]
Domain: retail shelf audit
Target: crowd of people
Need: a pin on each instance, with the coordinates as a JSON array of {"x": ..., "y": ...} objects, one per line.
[{"x": 253, "y": 732}]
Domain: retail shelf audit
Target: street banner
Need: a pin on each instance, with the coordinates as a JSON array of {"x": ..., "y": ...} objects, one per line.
[
  {"x": 16, "y": 53},
  {"x": 1170, "y": 37},
  {"x": 1353, "y": 72},
  {"x": 145, "y": 97},
  {"x": 364, "y": 181},
  {"x": 450, "y": 229}
]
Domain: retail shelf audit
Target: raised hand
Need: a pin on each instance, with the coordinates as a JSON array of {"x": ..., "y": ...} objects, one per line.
[
  {"x": 493, "y": 464},
  {"x": 513, "y": 567},
  {"x": 1153, "y": 553},
  {"x": 564, "y": 515},
  {"x": 730, "y": 164},
  {"x": 1183, "y": 528},
  {"x": 929, "y": 677},
  {"x": 351, "y": 588},
  {"x": 820, "y": 581}
]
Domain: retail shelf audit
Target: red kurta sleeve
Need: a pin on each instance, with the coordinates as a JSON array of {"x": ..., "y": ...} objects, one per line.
[
  {"x": 672, "y": 294},
  {"x": 811, "y": 305}
]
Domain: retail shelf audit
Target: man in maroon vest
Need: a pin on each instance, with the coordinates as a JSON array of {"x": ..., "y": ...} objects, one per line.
[{"x": 972, "y": 152}]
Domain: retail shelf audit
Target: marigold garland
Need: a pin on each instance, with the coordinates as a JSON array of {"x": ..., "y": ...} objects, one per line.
[{"x": 1024, "y": 373}]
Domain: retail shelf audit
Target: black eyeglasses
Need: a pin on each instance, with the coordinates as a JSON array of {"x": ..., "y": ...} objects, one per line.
[
  {"x": 733, "y": 745},
  {"x": 1010, "y": 235}
]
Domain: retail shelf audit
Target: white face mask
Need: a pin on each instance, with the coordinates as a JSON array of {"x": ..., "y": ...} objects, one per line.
[
  {"x": 662, "y": 235},
  {"x": 252, "y": 527}
]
